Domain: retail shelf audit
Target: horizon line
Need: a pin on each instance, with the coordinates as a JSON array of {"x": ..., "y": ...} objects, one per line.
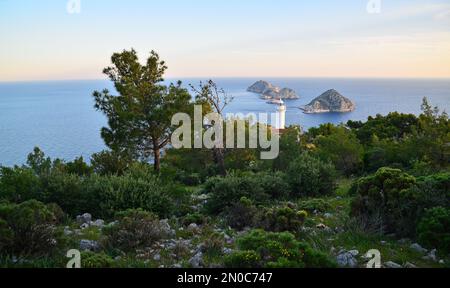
[{"x": 241, "y": 77}]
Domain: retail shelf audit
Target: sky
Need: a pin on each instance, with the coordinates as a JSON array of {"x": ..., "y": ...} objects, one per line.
[{"x": 43, "y": 40}]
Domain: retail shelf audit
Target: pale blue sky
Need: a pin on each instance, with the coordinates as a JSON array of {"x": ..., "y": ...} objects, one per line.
[{"x": 213, "y": 38}]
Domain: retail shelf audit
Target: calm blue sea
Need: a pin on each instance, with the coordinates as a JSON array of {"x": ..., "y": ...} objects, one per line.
[{"x": 59, "y": 116}]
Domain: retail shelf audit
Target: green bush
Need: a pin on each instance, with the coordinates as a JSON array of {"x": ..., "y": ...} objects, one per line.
[
  {"x": 274, "y": 184},
  {"x": 78, "y": 167},
  {"x": 281, "y": 219},
  {"x": 109, "y": 163},
  {"x": 434, "y": 190},
  {"x": 260, "y": 249},
  {"x": 309, "y": 176},
  {"x": 387, "y": 199},
  {"x": 118, "y": 193},
  {"x": 434, "y": 229},
  {"x": 241, "y": 214},
  {"x": 342, "y": 148},
  {"x": 226, "y": 191},
  {"x": 213, "y": 245},
  {"x": 258, "y": 187},
  {"x": 19, "y": 184},
  {"x": 6, "y": 235},
  {"x": 243, "y": 259},
  {"x": 91, "y": 260},
  {"x": 314, "y": 204},
  {"x": 70, "y": 192},
  {"x": 27, "y": 229},
  {"x": 135, "y": 229},
  {"x": 188, "y": 179},
  {"x": 196, "y": 218}
]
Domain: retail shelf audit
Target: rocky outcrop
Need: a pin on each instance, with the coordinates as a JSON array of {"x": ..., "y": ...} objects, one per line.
[
  {"x": 260, "y": 87},
  {"x": 287, "y": 93},
  {"x": 330, "y": 101},
  {"x": 269, "y": 91}
]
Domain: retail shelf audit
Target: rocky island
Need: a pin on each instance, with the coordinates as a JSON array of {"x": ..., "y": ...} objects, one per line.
[
  {"x": 269, "y": 91},
  {"x": 330, "y": 101}
]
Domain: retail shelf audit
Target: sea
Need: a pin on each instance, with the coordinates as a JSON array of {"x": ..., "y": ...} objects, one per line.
[{"x": 60, "y": 118}]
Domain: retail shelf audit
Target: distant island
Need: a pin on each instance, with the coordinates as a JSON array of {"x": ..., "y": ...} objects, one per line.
[
  {"x": 269, "y": 91},
  {"x": 330, "y": 101}
]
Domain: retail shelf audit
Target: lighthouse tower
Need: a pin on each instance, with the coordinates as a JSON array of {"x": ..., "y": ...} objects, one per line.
[{"x": 281, "y": 115}]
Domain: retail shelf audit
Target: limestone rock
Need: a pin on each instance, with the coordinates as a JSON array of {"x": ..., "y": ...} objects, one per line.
[
  {"x": 346, "y": 259},
  {"x": 392, "y": 265},
  {"x": 89, "y": 245},
  {"x": 85, "y": 218},
  {"x": 197, "y": 260},
  {"x": 330, "y": 101},
  {"x": 416, "y": 247},
  {"x": 270, "y": 91},
  {"x": 260, "y": 86}
]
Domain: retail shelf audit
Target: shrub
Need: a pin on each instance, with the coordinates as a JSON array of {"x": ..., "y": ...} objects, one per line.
[
  {"x": 280, "y": 219},
  {"x": 109, "y": 163},
  {"x": 127, "y": 192},
  {"x": 241, "y": 214},
  {"x": 6, "y": 235},
  {"x": 92, "y": 260},
  {"x": 213, "y": 245},
  {"x": 243, "y": 259},
  {"x": 27, "y": 228},
  {"x": 263, "y": 249},
  {"x": 69, "y": 191},
  {"x": 78, "y": 167},
  {"x": 189, "y": 179},
  {"x": 274, "y": 184},
  {"x": 434, "y": 229},
  {"x": 102, "y": 196},
  {"x": 196, "y": 218},
  {"x": 342, "y": 148},
  {"x": 19, "y": 184},
  {"x": 309, "y": 176},
  {"x": 225, "y": 191},
  {"x": 434, "y": 190},
  {"x": 387, "y": 197},
  {"x": 315, "y": 204},
  {"x": 135, "y": 229}
]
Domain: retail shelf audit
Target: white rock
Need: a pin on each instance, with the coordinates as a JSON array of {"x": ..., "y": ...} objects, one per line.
[
  {"x": 409, "y": 265},
  {"x": 89, "y": 245},
  {"x": 98, "y": 223},
  {"x": 157, "y": 257},
  {"x": 193, "y": 227},
  {"x": 346, "y": 259},
  {"x": 392, "y": 265},
  {"x": 166, "y": 229},
  {"x": 84, "y": 226},
  {"x": 197, "y": 260},
  {"x": 416, "y": 247},
  {"x": 67, "y": 231},
  {"x": 85, "y": 218},
  {"x": 432, "y": 255},
  {"x": 227, "y": 251}
]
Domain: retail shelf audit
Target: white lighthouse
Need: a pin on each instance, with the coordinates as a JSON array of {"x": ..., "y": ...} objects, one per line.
[{"x": 281, "y": 115}]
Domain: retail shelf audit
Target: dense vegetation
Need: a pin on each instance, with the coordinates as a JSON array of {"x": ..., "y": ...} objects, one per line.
[{"x": 381, "y": 184}]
